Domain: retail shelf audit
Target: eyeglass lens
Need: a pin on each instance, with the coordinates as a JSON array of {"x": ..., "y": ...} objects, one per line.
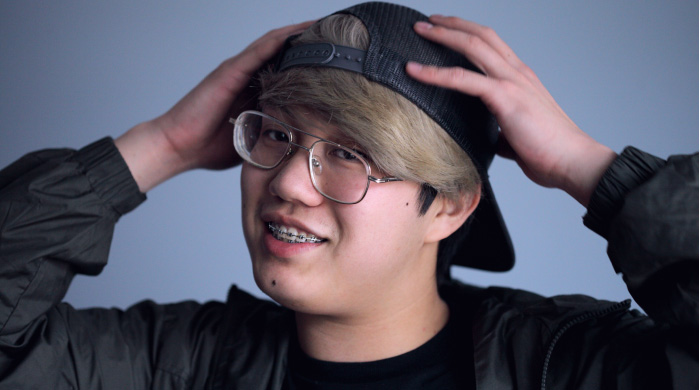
[{"x": 337, "y": 172}]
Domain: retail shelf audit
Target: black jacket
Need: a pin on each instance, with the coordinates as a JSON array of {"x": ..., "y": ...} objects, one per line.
[{"x": 57, "y": 214}]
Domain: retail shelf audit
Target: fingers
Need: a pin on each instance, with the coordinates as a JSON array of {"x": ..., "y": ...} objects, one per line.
[
  {"x": 213, "y": 97},
  {"x": 478, "y": 51},
  {"x": 262, "y": 49},
  {"x": 483, "y": 47},
  {"x": 504, "y": 73},
  {"x": 535, "y": 132},
  {"x": 207, "y": 105},
  {"x": 485, "y": 33},
  {"x": 267, "y": 45},
  {"x": 457, "y": 78}
]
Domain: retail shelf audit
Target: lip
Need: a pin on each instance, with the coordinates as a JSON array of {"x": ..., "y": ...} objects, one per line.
[
  {"x": 289, "y": 222},
  {"x": 283, "y": 249},
  {"x": 291, "y": 236}
]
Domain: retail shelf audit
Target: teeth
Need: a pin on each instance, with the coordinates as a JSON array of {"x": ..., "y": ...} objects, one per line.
[{"x": 291, "y": 235}]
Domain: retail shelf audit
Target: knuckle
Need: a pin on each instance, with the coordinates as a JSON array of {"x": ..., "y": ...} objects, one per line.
[
  {"x": 525, "y": 70},
  {"x": 473, "y": 41},
  {"x": 430, "y": 71},
  {"x": 275, "y": 31},
  {"x": 528, "y": 71},
  {"x": 452, "y": 20},
  {"x": 509, "y": 88},
  {"x": 487, "y": 32},
  {"x": 230, "y": 69},
  {"x": 454, "y": 74},
  {"x": 438, "y": 31},
  {"x": 227, "y": 64}
]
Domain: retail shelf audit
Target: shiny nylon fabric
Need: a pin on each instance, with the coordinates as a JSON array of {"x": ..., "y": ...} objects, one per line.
[{"x": 243, "y": 344}]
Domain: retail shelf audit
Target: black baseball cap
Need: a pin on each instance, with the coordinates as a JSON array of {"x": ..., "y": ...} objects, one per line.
[{"x": 483, "y": 242}]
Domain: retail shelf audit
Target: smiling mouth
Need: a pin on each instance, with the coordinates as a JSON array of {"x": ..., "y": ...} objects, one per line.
[{"x": 291, "y": 235}]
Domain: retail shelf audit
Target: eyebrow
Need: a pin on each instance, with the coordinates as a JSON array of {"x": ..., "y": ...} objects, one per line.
[
  {"x": 333, "y": 135},
  {"x": 296, "y": 121},
  {"x": 345, "y": 141}
]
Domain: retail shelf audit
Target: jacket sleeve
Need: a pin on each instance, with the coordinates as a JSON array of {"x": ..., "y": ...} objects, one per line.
[
  {"x": 57, "y": 214},
  {"x": 647, "y": 209},
  {"x": 58, "y": 209}
]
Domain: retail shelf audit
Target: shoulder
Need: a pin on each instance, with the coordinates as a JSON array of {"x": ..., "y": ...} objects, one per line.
[
  {"x": 523, "y": 338},
  {"x": 514, "y": 307}
]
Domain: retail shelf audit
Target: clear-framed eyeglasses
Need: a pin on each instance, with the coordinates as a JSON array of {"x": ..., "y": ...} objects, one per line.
[{"x": 339, "y": 173}]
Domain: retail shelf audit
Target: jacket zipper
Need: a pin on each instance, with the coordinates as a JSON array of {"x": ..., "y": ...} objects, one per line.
[{"x": 575, "y": 321}]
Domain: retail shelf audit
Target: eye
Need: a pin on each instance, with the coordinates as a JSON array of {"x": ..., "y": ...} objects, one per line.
[
  {"x": 343, "y": 155},
  {"x": 275, "y": 135}
]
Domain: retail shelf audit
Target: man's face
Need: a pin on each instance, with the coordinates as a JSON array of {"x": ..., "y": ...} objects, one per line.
[{"x": 373, "y": 253}]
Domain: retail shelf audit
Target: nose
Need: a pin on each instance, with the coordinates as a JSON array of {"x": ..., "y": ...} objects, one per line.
[{"x": 292, "y": 181}]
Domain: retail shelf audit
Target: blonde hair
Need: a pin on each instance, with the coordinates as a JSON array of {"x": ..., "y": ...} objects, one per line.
[{"x": 399, "y": 138}]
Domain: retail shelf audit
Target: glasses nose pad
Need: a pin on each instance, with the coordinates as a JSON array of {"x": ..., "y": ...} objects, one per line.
[{"x": 316, "y": 165}]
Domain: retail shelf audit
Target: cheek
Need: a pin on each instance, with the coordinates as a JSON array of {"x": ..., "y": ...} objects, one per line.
[
  {"x": 382, "y": 234},
  {"x": 253, "y": 187},
  {"x": 253, "y": 184},
  {"x": 248, "y": 179},
  {"x": 247, "y": 185}
]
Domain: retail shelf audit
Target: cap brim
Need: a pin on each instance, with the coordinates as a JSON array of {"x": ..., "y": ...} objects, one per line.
[{"x": 487, "y": 245}]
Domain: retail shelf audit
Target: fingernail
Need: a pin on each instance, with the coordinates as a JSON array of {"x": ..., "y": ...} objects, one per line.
[
  {"x": 423, "y": 26},
  {"x": 414, "y": 66}
]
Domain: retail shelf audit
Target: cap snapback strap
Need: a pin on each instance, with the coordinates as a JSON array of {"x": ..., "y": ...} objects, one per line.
[{"x": 323, "y": 54}]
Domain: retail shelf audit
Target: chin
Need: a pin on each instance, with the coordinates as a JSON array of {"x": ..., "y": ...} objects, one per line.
[
  {"x": 301, "y": 296},
  {"x": 284, "y": 287}
]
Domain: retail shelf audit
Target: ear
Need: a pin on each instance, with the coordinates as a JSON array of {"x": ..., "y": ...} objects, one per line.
[{"x": 449, "y": 214}]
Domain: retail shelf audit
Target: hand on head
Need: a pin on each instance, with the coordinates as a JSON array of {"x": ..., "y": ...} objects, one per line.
[
  {"x": 551, "y": 150},
  {"x": 195, "y": 132},
  {"x": 548, "y": 146}
]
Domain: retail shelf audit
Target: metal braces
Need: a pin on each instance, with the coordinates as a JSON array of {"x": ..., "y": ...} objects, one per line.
[{"x": 311, "y": 238}]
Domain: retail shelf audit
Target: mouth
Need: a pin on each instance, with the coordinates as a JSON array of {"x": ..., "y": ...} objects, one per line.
[{"x": 292, "y": 235}]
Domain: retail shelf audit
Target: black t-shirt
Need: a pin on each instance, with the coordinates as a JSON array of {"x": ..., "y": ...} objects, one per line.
[{"x": 443, "y": 362}]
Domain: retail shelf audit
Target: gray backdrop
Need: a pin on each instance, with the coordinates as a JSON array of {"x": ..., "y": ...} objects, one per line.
[{"x": 625, "y": 71}]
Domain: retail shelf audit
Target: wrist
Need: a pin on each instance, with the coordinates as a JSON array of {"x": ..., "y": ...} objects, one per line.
[
  {"x": 585, "y": 171},
  {"x": 149, "y": 156}
]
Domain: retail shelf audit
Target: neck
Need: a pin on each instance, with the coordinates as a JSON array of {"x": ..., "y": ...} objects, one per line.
[{"x": 380, "y": 334}]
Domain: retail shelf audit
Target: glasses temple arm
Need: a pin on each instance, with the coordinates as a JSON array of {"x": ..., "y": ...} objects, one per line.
[{"x": 384, "y": 179}]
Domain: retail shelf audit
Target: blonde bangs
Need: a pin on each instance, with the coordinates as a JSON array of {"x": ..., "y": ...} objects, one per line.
[{"x": 399, "y": 138}]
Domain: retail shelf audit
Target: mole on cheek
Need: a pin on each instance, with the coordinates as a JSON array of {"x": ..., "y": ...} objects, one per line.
[
  {"x": 406, "y": 203},
  {"x": 274, "y": 282}
]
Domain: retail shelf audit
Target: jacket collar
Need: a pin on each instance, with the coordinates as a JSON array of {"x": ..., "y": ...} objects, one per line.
[{"x": 252, "y": 348}]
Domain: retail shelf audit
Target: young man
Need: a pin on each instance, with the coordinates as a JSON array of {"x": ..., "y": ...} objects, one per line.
[{"x": 353, "y": 180}]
